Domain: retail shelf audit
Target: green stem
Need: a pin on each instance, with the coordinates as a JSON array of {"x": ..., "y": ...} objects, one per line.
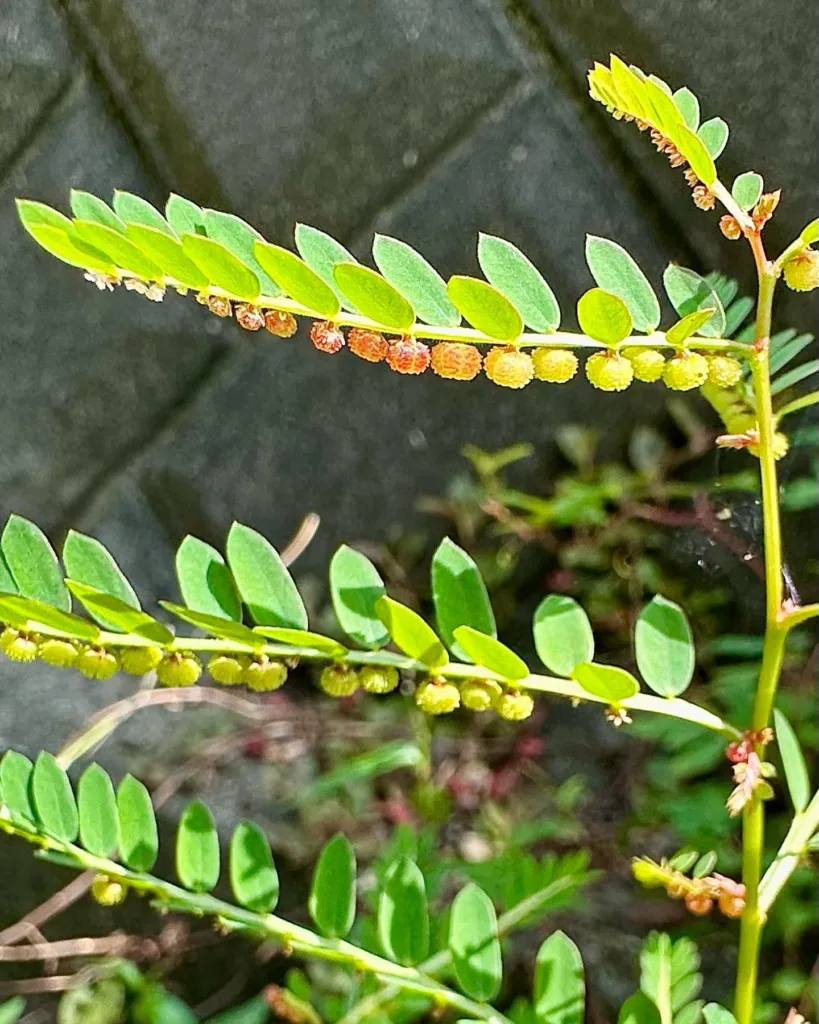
[{"x": 790, "y": 853}]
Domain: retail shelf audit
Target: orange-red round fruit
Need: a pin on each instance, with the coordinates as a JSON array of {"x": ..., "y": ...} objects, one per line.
[
  {"x": 249, "y": 317},
  {"x": 455, "y": 360},
  {"x": 408, "y": 355},
  {"x": 282, "y": 325},
  {"x": 369, "y": 345},
  {"x": 326, "y": 336}
]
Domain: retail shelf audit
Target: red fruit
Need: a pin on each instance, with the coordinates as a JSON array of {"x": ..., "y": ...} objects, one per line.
[
  {"x": 456, "y": 361},
  {"x": 369, "y": 345},
  {"x": 407, "y": 355},
  {"x": 282, "y": 325},
  {"x": 326, "y": 336},
  {"x": 249, "y": 317}
]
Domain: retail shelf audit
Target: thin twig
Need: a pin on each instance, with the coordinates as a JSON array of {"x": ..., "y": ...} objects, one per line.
[
  {"x": 110, "y": 945},
  {"x": 33, "y": 986},
  {"x": 54, "y": 905}
]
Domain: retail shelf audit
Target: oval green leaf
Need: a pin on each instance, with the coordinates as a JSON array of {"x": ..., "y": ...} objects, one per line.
[
  {"x": 29, "y": 613},
  {"x": 616, "y": 271},
  {"x": 54, "y": 799},
  {"x": 474, "y": 944},
  {"x": 124, "y": 253},
  {"x": 460, "y": 596},
  {"x": 374, "y": 297},
  {"x": 747, "y": 189},
  {"x": 168, "y": 255},
  {"x": 241, "y": 239},
  {"x": 689, "y": 106},
  {"x": 410, "y": 633},
  {"x": 688, "y": 292},
  {"x": 185, "y": 217},
  {"x": 222, "y": 269},
  {"x": 689, "y": 325},
  {"x": 303, "y": 638},
  {"x": 321, "y": 252},
  {"x": 355, "y": 587},
  {"x": 638, "y": 1009},
  {"x": 224, "y": 629},
  {"x": 71, "y": 250},
  {"x": 297, "y": 280},
  {"x": 266, "y": 587},
  {"x": 15, "y": 786},
  {"x": 11, "y": 1010},
  {"x": 664, "y": 647},
  {"x": 253, "y": 876},
  {"x": 485, "y": 308},
  {"x": 332, "y": 895},
  {"x": 714, "y": 135},
  {"x": 604, "y": 316},
  {"x": 88, "y": 561},
  {"x": 491, "y": 653},
  {"x": 97, "y": 808},
  {"x": 605, "y": 681},
  {"x": 696, "y": 152},
  {"x": 197, "y": 849},
  {"x": 135, "y": 210},
  {"x": 793, "y": 762},
  {"x": 515, "y": 276},
  {"x": 716, "y": 1014},
  {"x": 810, "y": 233},
  {"x": 138, "y": 835},
  {"x": 403, "y": 918},
  {"x": 560, "y": 986},
  {"x": 419, "y": 282},
  {"x": 121, "y": 616},
  {"x": 33, "y": 564},
  {"x": 86, "y": 206},
  {"x": 205, "y": 581},
  {"x": 563, "y": 634}
]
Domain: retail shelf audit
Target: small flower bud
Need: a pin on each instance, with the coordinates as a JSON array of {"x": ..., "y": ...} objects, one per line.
[
  {"x": 108, "y": 892},
  {"x": 509, "y": 367},
  {"x": 378, "y": 678},
  {"x": 437, "y": 697},
  {"x": 480, "y": 694},
  {"x": 704, "y": 198},
  {"x": 648, "y": 364},
  {"x": 456, "y": 360},
  {"x": 179, "y": 668},
  {"x": 685, "y": 371},
  {"x": 339, "y": 680},
  {"x": 732, "y": 904},
  {"x": 802, "y": 271},
  {"x": 326, "y": 336},
  {"x": 514, "y": 705},
  {"x": 61, "y": 653},
  {"x": 264, "y": 674},
  {"x": 699, "y": 903},
  {"x": 724, "y": 371},
  {"x": 280, "y": 324},
  {"x": 249, "y": 317},
  {"x": 554, "y": 365},
  {"x": 729, "y": 226},
  {"x": 219, "y": 305},
  {"x": 369, "y": 345},
  {"x": 648, "y": 873},
  {"x": 226, "y": 670},
  {"x": 609, "y": 371},
  {"x": 18, "y": 646},
  {"x": 408, "y": 355},
  {"x": 764, "y": 209},
  {"x": 139, "y": 661},
  {"x": 97, "y": 663}
]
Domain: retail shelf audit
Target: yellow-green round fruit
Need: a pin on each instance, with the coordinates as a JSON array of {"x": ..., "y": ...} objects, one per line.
[
  {"x": 648, "y": 364},
  {"x": 780, "y": 446},
  {"x": 18, "y": 646},
  {"x": 97, "y": 663},
  {"x": 61, "y": 653},
  {"x": 437, "y": 697},
  {"x": 378, "y": 678},
  {"x": 108, "y": 892},
  {"x": 555, "y": 365},
  {"x": 802, "y": 271},
  {"x": 139, "y": 661},
  {"x": 225, "y": 669},
  {"x": 514, "y": 705},
  {"x": 508, "y": 367},
  {"x": 263, "y": 674},
  {"x": 339, "y": 680},
  {"x": 479, "y": 694},
  {"x": 609, "y": 371},
  {"x": 685, "y": 371},
  {"x": 180, "y": 668},
  {"x": 724, "y": 371}
]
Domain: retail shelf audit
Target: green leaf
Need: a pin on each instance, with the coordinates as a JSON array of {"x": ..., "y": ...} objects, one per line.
[
  {"x": 747, "y": 189},
  {"x": 485, "y": 308},
  {"x": 297, "y": 280},
  {"x": 638, "y": 1009},
  {"x": 54, "y": 799},
  {"x": 459, "y": 594},
  {"x": 70, "y": 249},
  {"x": 241, "y": 239},
  {"x": 515, "y": 276},
  {"x": 796, "y": 771},
  {"x": 216, "y": 625},
  {"x": 88, "y": 561},
  {"x": 714, "y": 136},
  {"x": 783, "y": 354},
  {"x": 15, "y": 785},
  {"x": 7, "y": 584},
  {"x": 97, "y": 808},
  {"x": 410, "y": 633},
  {"x": 664, "y": 647},
  {"x": 605, "y": 681},
  {"x": 197, "y": 849},
  {"x": 687, "y": 292},
  {"x": 374, "y": 297},
  {"x": 687, "y": 326},
  {"x": 33, "y": 563},
  {"x": 167, "y": 253},
  {"x": 266, "y": 587},
  {"x": 420, "y": 284},
  {"x": 355, "y": 587},
  {"x": 560, "y": 987},
  {"x": 11, "y": 1010},
  {"x": 185, "y": 217},
  {"x": 205, "y": 581},
  {"x": 689, "y": 106},
  {"x": 138, "y": 836},
  {"x": 616, "y": 271},
  {"x": 705, "y": 864},
  {"x": 124, "y": 253},
  {"x": 136, "y": 210},
  {"x": 253, "y": 876},
  {"x": 321, "y": 252},
  {"x": 736, "y": 314},
  {"x": 604, "y": 316},
  {"x": 86, "y": 206},
  {"x": 332, "y": 895},
  {"x": 29, "y": 613},
  {"x": 303, "y": 638},
  {"x": 697, "y": 154},
  {"x": 563, "y": 634},
  {"x": 782, "y": 382},
  {"x": 121, "y": 616},
  {"x": 388, "y": 757},
  {"x": 403, "y": 918},
  {"x": 716, "y": 1014},
  {"x": 810, "y": 233},
  {"x": 222, "y": 269},
  {"x": 474, "y": 944},
  {"x": 491, "y": 653},
  {"x": 257, "y": 1011}
]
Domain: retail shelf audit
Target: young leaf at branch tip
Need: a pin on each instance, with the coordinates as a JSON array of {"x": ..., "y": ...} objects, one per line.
[
  {"x": 86, "y": 206},
  {"x": 687, "y": 326},
  {"x": 321, "y": 252},
  {"x": 491, "y": 653},
  {"x": 138, "y": 835},
  {"x": 253, "y": 876},
  {"x": 222, "y": 269},
  {"x": 355, "y": 587},
  {"x": 120, "y": 616},
  {"x": 15, "y": 783},
  {"x": 616, "y": 271},
  {"x": 689, "y": 106},
  {"x": 197, "y": 849},
  {"x": 374, "y": 297},
  {"x": 123, "y": 252},
  {"x": 747, "y": 189},
  {"x": 714, "y": 136},
  {"x": 52, "y": 231},
  {"x": 266, "y": 587},
  {"x": 185, "y": 217},
  {"x": 216, "y": 625},
  {"x": 205, "y": 581},
  {"x": 560, "y": 987},
  {"x": 485, "y": 308},
  {"x": 167, "y": 253},
  {"x": 297, "y": 280},
  {"x": 688, "y": 292},
  {"x": 563, "y": 634},
  {"x": 135, "y": 210},
  {"x": 29, "y": 613},
  {"x": 33, "y": 563},
  {"x": 793, "y": 762},
  {"x": 664, "y": 647},
  {"x": 240, "y": 238},
  {"x": 416, "y": 279},
  {"x": 303, "y": 638},
  {"x": 88, "y": 561},
  {"x": 605, "y": 681},
  {"x": 97, "y": 809},
  {"x": 410, "y": 633},
  {"x": 459, "y": 595},
  {"x": 604, "y": 316},
  {"x": 515, "y": 276},
  {"x": 54, "y": 799},
  {"x": 474, "y": 944},
  {"x": 403, "y": 919},
  {"x": 332, "y": 895}
]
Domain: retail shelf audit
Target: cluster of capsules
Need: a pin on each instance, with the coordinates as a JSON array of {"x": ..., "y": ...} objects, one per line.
[
  {"x": 700, "y": 895},
  {"x": 507, "y": 365}
]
